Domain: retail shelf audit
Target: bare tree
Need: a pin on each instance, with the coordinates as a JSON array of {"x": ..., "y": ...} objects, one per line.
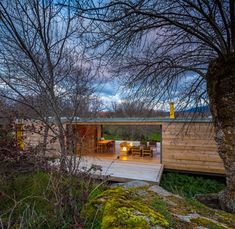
[
  {"x": 175, "y": 48},
  {"x": 129, "y": 108},
  {"x": 41, "y": 66}
]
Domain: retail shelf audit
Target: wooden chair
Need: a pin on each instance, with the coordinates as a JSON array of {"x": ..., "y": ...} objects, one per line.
[
  {"x": 153, "y": 144},
  {"x": 147, "y": 151},
  {"x": 100, "y": 148},
  {"x": 135, "y": 150},
  {"x": 111, "y": 147}
]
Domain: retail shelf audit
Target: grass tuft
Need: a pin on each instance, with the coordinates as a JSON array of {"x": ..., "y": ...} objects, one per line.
[
  {"x": 190, "y": 185},
  {"x": 44, "y": 200}
]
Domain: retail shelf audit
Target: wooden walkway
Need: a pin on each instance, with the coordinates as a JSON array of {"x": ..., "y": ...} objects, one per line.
[{"x": 121, "y": 171}]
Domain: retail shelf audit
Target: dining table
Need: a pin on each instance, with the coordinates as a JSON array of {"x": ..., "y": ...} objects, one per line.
[
  {"x": 103, "y": 146},
  {"x": 104, "y": 142}
]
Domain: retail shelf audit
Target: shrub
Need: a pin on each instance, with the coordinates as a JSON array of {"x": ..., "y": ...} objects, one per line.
[
  {"x": 189, "y": 185},
  {"x": 44, "y": 200}
]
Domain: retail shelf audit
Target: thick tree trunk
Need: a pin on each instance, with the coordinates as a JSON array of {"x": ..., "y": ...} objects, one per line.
[{"x": 221, "y": 91}]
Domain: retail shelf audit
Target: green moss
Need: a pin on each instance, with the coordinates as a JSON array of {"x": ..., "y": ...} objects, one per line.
[
  {"x": 161, "y": 206},
  {"x": 180, "y": 206},
  {"x": 225, "y": 218},
  {"x": 195, "y": 203},
  {"x": 121, "y": 209},
  {"x": 187, "y": 206},
  {"x": 126, "y": 208},
  {"x": 200, "y": 221},
  {"x": 138, "y": 213},
  {"x": 122, "y": 217}
]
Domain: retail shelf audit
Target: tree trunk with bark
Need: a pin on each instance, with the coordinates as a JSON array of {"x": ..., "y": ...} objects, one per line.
[
  {"x": 221, "y": 91},
  {"x": 63, "y": 150}
]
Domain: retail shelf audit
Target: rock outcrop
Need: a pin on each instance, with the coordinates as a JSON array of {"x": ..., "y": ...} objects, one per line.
[{"x": 142, "y": 205}]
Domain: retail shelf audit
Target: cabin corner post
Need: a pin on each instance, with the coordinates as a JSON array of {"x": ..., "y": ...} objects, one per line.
[{"x": 164, "y": 127}]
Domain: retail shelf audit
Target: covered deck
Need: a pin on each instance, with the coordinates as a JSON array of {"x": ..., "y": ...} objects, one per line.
[
  {"x": 91, "y": 140},
  {"x": 117, "y": 153},
  {"x": 121, "y": 167},
  {"x": 186, "y": 144}
]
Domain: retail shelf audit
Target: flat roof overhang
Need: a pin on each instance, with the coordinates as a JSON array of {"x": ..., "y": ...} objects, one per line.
[{"x": 132, "y": 121}]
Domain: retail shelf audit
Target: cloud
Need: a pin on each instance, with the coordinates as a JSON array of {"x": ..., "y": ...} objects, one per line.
[{"x": 108, "y": 92}]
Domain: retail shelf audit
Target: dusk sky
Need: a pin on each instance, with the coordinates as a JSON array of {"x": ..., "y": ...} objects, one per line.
[{"x": 109, "y": 91}]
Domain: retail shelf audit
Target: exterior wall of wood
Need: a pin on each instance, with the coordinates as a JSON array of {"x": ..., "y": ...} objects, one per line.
[
  {"x": 190, "y": 147},
  {"x": 83, "y": 141},
  {"x": 33, "y": 133},
  {"x": 86, "y": 139}
]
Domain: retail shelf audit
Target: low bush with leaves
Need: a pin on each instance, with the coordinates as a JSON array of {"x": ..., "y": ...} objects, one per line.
[
  {"x": 190, "y": 185},
  {"x": 8, "y": 146},
  {"x": 35, "y": 194},
  {"x": 45, "y": 200},
  {"x": 12, "y": 159}
]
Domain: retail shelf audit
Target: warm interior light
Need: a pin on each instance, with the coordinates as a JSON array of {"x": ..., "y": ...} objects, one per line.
[
  {"x": 124, "y": 148},
  {"x": 131, "y": 144},
  {"x": 124, "y": 158}
]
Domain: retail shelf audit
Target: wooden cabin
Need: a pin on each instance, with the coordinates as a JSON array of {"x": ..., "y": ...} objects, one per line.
[{"x": 186, "y": 145}]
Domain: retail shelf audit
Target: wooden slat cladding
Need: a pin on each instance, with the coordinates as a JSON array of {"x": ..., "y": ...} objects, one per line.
[
  {"x": 86, "y": 139},
  {"x": 190, "y": 147}
]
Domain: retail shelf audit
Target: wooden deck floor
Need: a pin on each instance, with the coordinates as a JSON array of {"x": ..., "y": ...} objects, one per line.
[
  {"x": 121, "y": 170},
  {"x": 112, "y": 156}
]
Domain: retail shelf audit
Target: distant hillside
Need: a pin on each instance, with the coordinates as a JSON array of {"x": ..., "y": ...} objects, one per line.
[{"x": 202, "y": 109}]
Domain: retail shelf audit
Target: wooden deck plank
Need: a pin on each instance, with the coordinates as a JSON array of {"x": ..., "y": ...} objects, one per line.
[{"x": 119, "y": 170}]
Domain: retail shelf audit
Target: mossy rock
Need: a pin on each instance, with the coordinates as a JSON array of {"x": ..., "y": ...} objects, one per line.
[
  {"x": 127, "y": 208},
  {"x": 204, "y": 222},
  {"x": 118, "y": 208}
]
